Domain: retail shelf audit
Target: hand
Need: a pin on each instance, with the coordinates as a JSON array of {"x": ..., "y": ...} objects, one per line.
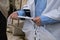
[
  {"x": 14, "y": 15},
  {"x": 37, "y": 21}
]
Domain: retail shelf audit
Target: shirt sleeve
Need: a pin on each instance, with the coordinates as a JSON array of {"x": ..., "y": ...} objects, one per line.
[
  {"x": 46, "y": 20},
  {"x": 21, "y": 13}
]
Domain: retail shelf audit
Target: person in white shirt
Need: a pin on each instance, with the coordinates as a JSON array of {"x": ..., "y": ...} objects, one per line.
[{"x": 46, "y": 16}]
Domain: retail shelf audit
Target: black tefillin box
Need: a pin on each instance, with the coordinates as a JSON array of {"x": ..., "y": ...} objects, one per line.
[{"x": 27, "y": 13}]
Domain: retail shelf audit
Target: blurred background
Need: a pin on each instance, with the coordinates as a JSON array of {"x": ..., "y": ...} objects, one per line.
[{"x": 13, "y": 31}]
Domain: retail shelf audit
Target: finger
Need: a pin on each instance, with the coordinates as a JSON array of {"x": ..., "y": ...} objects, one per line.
[
  {"x": 37, "y": 19},
  {"x": 38, "y": 22},
  {"x": 33, "y": 20},
  {"x": 15, "y": 18}
]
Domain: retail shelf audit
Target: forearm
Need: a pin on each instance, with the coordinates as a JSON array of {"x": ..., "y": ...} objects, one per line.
[{"x": 46, "y": 20}]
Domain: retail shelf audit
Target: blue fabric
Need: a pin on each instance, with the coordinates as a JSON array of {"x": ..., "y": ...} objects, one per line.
[
  {"x": 46, "y": 20},
  {"x": 21, "y": 13},
  {"x": 40, "y": 5}
]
